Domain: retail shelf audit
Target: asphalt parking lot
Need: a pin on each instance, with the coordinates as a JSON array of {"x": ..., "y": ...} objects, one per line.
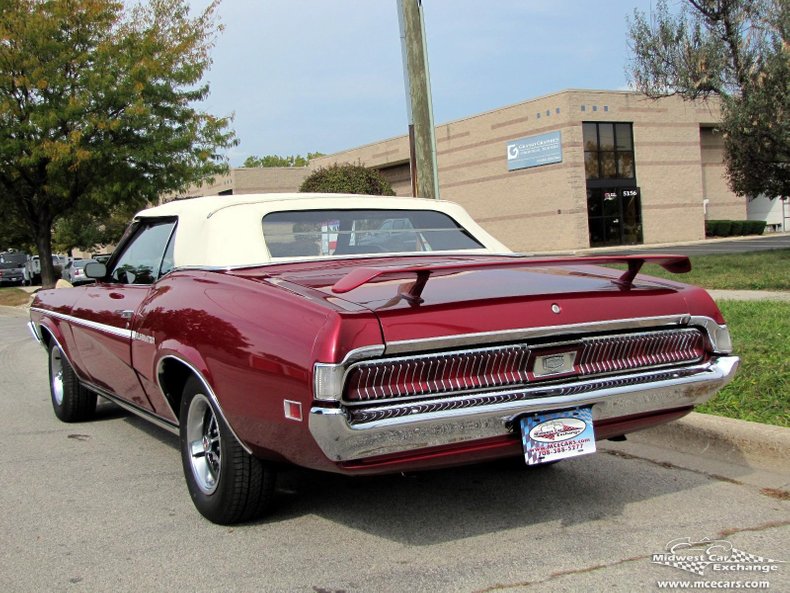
[{"x": 102, "y": 506}]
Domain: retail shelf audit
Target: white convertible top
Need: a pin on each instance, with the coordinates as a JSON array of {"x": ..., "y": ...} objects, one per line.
[{"x": 227, "y": 231}]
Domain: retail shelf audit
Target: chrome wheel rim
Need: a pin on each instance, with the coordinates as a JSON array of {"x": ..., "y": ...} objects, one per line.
[
  {"x": 56, "y": 375},
  {"x": 203, "y": 440}
]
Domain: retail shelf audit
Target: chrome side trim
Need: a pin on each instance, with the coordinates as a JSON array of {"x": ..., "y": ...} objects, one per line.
[
  {"x": 341, "y": 441},
  {"x": 102, "y": 327},
  {"x": 209, "y": 392},
  {"x": 482, "y": 338},
  {"x": 276, "y": 261}
]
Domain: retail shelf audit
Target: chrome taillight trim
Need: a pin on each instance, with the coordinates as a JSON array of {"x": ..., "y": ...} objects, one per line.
[
  {"x": 361, "y": 415},
  {"x": 505, "y": 367},
  {"x": 329, "y": 378}
]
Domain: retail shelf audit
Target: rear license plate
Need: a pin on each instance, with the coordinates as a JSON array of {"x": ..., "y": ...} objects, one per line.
[{"x": 550, "y": 436}]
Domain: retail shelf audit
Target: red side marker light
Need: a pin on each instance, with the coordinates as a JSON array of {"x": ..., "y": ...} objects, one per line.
[{"x": 293, "y": 410}]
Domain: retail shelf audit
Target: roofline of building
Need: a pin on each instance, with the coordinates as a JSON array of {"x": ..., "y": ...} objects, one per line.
[{"x": 489, "y": 112}]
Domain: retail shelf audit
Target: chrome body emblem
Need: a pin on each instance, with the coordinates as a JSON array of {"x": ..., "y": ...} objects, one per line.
[
  {"x": 554, "y": 364},
  {"x": 555, "y": 308}
]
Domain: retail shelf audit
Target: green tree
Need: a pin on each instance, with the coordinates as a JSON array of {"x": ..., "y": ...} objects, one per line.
[
  {"x": 97, "y": 109},
  {"x": 84, "y": 231},
  {"x": 347, "y": 178},
  {"x": 274, "y": 160},
  {"x": 738, "y": 50}
]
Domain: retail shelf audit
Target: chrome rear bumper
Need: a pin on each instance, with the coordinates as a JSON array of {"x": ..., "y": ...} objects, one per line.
[{"x": 471, "y": 418}]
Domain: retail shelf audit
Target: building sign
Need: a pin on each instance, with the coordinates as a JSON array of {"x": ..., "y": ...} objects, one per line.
[{"x": 533, "y": 151}]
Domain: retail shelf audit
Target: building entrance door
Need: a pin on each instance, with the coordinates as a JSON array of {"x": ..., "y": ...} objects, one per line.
[{"x": 614, "y": 216}]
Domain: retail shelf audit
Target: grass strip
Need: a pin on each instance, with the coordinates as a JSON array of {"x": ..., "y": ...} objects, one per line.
[
  {"x": 759, "y": 270},
  {"x": 13, "y": 297},
  {"x": 760, "y": 391}
]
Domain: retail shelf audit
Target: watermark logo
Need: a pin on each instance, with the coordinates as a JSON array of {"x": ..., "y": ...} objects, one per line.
[{"x": 718, "y": 555}]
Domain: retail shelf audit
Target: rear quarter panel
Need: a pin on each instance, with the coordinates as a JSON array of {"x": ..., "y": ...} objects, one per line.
[{"x": 255, "y": 344}]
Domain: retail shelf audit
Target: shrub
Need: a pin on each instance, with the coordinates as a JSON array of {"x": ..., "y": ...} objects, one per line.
[
  {"x": 730, "y": 228},
  {"x": 717, "y": 228},
  {"x": 756, "y": 227},
  {"x": 347, "y": 178}
]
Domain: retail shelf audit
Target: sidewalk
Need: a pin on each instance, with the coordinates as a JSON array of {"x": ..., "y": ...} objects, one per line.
[{"x": 749, "y": 295}]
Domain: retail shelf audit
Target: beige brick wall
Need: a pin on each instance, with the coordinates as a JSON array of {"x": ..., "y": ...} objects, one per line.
[
  {"x": 254, "y": 180},
  {"x": 544, "y": 208},
  {"x": 722, "y": 202}
]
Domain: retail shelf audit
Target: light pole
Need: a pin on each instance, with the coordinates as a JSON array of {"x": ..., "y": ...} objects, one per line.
[{"x": 422, "y": 136}]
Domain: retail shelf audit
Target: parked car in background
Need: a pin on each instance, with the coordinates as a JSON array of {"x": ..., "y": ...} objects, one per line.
[
  {"x": 102, "y": 257},
  {"x": 33, "y": 268},
  {"x": 12, "y": 267},
  {"x": 74, "y": 271},
  {"x": 259, "y": 330},
  {"x": 11, "y": 274}
]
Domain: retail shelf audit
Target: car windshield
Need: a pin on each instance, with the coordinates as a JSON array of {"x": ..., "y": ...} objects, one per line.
[{"x": 313, "y": 233}]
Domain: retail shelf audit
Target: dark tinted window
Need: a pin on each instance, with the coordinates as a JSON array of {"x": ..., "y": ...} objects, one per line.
[{"x": 608, "y": 150}]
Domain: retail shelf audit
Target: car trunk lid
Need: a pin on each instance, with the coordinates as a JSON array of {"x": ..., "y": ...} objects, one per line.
[{"x": 420, "y": 299}]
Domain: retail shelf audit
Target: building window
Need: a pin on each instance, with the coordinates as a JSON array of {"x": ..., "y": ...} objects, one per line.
[{"x": 608, "y": 150}]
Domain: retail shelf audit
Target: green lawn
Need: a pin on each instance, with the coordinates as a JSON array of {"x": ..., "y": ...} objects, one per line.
[
  {"x": 12, "y": 297},
  {"x": 762, "y": 270},
  {"x": 760, "y": 391}
]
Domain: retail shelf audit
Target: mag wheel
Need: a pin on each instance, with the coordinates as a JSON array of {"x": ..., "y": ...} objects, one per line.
[
  {"x": 71, "y": 401},
  {"x": 227, "y": 484}
]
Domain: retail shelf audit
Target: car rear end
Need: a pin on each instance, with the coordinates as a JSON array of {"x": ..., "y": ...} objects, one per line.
[
  {"x": 11, "y": 273},
  {"x": 481, "y": 356}
]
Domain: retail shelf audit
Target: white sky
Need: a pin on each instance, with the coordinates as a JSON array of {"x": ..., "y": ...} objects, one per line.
[{"x": 326, "y": 75}]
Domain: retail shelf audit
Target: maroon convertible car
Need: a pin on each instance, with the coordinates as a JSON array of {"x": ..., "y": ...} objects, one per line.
[{"x": 366, "y": 335}]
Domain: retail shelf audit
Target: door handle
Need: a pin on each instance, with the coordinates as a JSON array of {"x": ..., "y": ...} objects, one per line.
[{"x": 125, "y": 313}]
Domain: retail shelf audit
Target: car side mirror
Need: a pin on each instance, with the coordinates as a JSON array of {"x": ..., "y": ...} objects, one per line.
[{"x": 95, "y": 270}]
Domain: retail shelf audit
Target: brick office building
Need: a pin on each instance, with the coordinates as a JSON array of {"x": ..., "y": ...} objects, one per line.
[{"x": 571, "y": 170}]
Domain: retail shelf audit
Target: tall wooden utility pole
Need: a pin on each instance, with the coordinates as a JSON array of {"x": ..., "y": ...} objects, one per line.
[{"x": 422, "y": 136}]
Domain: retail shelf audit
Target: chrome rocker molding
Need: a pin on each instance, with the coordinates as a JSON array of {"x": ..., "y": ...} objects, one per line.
[
  {"x": 341, "y": 441},
  {"x": 129, "y": 407}
]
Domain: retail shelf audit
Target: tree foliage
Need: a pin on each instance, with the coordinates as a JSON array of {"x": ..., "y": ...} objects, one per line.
[
  {"x": 756, "y": 129},
  {"x": 347, "y": 178},
  {"x": 738, "y": 50},
  {"x": 274, "y": 160},
  {"x": 97, "y": 109},
  {"x": 84, "y": 231}
]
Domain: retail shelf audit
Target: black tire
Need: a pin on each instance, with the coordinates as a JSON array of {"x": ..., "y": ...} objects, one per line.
[
  {"x": 70, "y": 400},
  {"x": 227, "y": 484}
]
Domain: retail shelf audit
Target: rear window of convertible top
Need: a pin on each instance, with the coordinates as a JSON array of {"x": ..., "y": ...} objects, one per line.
[{"x": 316, "y": 233}]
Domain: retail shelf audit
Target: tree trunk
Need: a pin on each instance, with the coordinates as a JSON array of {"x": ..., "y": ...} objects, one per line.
[{"x": 43, "y": 234}]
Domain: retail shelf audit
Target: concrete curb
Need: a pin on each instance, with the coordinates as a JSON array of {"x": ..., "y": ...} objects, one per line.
[{"x": 740, "y": 442}]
